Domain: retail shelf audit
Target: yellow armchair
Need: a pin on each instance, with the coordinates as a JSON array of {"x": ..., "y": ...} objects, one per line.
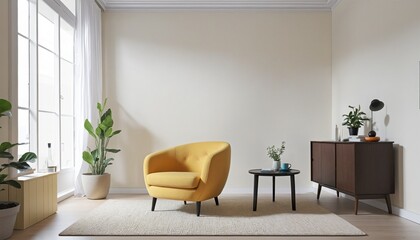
[{"x": 190, "y": 172}]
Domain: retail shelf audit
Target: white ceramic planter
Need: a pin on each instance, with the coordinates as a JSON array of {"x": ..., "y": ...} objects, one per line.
[
  {"x": 7, "y": 221},
  {"x": 96, "y": 186},
  {"x": 276, "y": 165}
]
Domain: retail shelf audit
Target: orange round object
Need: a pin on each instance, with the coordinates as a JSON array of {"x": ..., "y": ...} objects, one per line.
[{"x": 372, "y": 139}]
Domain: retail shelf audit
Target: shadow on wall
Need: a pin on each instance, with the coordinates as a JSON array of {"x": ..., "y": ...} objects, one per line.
[
  {"x": 398, "y": 198},
  {"x": 134, "y": 140}
]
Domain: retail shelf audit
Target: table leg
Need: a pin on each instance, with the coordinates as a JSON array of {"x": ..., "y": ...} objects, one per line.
[
  {"x": 254, "y": 208},
  {"x": 293, "y": 193},
  {"x": 274, "y": 188}
]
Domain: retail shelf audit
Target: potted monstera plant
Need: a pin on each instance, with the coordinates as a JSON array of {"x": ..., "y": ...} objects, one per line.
[
  {"x": 8, "y": 209},
  {"x": 96, "y": 183},
  {"x": 354, "y": 120}
]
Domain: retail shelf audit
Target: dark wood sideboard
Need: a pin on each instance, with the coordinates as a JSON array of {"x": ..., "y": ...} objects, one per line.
[{"x": 363, "y": 170}]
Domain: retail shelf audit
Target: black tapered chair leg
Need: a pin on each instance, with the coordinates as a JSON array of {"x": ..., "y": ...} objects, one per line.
[
  {"x": 217, "y": 201},
  {"x": 185, "y": 202},
  {"x": 153, "y": 203},
  {"x": 198, "y": 205}
]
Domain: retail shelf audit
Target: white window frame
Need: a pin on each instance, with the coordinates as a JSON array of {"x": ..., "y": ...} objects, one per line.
[{"x": 68, "y": 16}]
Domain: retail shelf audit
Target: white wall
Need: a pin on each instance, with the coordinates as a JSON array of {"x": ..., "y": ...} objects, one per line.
[
  {"x": 4, "y": 72},
  {"x": 250, "y": 78},
  {"x": 376, "y": 54},
  {"x": 4, "y": 62}
]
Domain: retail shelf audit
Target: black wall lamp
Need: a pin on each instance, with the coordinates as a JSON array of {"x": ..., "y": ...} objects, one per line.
[{"x": 375, "y": 106}]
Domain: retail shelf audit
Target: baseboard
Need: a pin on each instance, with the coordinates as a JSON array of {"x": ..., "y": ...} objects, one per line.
[
  {"x": 414, "y": 217},
  {"x": 395, "y": 210},
  {"x": 127, "y": 191},
  {"x": 400, "y": 212},
  {"x": 65, "y": 194}
]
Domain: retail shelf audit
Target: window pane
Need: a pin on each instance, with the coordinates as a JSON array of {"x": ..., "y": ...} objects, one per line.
[
  {"x": 71, "y": 5},
  {"x": 47, "y": 19},
  {"x": 67, "y": 96},
  {"x": 23, "y": 131},
  {"x": 48, "y": 132},
  {"x": 23, "y": 72},
  {"x": 23, "y": 134},
  {"x": 66, "y": 38},
  {"x": 23, "y": 17},
  {"x": 47, "y": 82},
  {"x": 67, "y": 142},
  {"x": 55, "y": 81}
]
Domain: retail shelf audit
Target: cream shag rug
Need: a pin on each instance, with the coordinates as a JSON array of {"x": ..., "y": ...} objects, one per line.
[{"x": 234, "y": 216}]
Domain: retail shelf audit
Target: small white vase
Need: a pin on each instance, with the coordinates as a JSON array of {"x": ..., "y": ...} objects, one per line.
[{"x": 276, "y": 165}]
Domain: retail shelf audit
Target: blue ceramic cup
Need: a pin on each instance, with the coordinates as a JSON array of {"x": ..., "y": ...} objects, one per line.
[{"x": 285, "y": 166}]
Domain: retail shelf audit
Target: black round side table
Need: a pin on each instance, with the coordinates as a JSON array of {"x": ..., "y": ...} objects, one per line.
[{"x": 274, "y": 174}]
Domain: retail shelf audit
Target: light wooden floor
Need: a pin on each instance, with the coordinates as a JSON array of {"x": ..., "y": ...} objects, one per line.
[{"x": 376, "y": 223}]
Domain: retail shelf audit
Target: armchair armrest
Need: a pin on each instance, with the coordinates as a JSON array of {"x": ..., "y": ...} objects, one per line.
[{"x": 216, "y": 166}]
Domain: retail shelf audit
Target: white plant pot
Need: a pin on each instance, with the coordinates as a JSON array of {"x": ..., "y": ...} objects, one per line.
[
  {"x": 7, "y": 221},
  {"x": 96, "y": 186}
]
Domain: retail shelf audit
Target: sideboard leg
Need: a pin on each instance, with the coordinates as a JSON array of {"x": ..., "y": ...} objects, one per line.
[
  {"x": 356, "y": 205},
  {"x": 338, "y": 194},
  {"x": 319, "y": 191},
  {"x": 388, "y": 203}
]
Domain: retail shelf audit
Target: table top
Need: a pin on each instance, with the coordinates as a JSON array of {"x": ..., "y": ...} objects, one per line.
[{"x": 274, "y": 173}]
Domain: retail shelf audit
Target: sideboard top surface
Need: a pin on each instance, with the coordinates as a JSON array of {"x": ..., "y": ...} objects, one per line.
[{"x": 348, "y": 142}]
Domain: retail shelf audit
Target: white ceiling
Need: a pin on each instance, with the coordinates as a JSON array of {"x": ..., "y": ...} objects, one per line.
[{"x": 217, "y": 4}]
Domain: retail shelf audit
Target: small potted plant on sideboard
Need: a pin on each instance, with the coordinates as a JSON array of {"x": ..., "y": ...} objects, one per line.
[{"x": 354, "y": 120}]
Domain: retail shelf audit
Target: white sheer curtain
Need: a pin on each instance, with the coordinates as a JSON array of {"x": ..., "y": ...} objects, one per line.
[{"x": 88, "y": 75}]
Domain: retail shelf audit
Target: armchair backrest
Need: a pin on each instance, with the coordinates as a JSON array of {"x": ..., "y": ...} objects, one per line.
[{"x": 192, "y": 157}]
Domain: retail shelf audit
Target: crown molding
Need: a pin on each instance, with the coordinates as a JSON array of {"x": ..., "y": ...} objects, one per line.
[
  {"x": 101, "y": 4},
  {"x": 217, "y": 4}
]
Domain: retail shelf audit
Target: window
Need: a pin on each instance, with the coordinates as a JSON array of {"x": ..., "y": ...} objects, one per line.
[{"x": 45, "y": 36}]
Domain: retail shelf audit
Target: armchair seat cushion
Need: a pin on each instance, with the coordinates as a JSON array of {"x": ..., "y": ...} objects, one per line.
[{"x": 185, "y": 180}]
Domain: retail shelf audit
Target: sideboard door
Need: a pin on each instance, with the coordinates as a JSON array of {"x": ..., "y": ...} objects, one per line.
[
  {"x": 346, "y": 167},
  {"x": 323, "y": 163}
]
